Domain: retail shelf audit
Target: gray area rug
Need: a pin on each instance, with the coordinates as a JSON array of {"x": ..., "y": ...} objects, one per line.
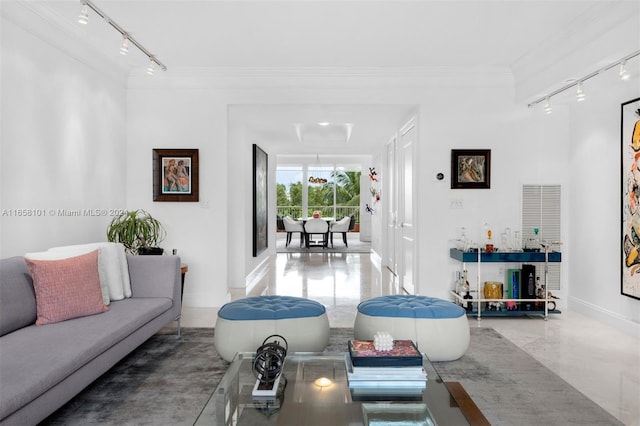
[
  {"x": 168, "y": 380},
  {"x": 512, "y": 388}
]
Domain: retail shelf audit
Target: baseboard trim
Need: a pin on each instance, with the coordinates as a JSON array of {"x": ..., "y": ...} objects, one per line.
[{"x": 605, "y": 316}]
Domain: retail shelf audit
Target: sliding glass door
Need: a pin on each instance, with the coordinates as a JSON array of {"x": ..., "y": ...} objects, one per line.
[{"x": 331, "y": 189}]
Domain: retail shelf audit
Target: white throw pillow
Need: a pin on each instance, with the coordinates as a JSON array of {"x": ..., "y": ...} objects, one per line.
[{"x": 114, "y": 262}]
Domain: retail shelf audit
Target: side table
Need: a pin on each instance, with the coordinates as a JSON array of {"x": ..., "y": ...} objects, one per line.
[{"x": 184, "y": 268}]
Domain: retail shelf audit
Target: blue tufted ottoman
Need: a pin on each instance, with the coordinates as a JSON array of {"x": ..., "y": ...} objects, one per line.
[
  {"x": 242, "y": 325},
  {"x": 439, "y": 328}
]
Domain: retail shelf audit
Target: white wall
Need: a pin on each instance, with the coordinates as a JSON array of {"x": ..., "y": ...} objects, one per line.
[
  {"x": 456, "y": 111},
  {"x": 63, "y": 145},
  {"x": 595, "y": 161},
  {"x": 168, "y": 118}
]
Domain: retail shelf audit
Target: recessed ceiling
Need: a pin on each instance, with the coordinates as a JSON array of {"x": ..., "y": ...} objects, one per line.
[{"x": 276, "y": 126}]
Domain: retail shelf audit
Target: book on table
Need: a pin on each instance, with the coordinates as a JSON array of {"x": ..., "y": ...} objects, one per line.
[
  {"x": 403, "y": 354},
  {"x": 401, "y": 367}
]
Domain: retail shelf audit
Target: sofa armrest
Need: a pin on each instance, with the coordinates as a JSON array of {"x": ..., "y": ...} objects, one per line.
[{"x": 156, "y": 276}]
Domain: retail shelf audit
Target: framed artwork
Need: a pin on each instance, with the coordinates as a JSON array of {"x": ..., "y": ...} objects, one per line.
[
  {"x": 175, "y": 175},
  {"x": 630, "y": 238},
  {"x": 260, "y": 197},
  {"x": 470, "y": 168}
]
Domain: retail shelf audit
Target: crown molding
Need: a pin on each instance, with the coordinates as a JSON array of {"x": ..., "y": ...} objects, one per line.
[{"x": 325, "y": 77}]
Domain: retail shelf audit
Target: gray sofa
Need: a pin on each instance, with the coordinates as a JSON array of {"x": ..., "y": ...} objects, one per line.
[{"x": 43, "y": 367}]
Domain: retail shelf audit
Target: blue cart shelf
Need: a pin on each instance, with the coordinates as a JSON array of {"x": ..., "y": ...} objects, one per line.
[{"x": 505, "y": 257}]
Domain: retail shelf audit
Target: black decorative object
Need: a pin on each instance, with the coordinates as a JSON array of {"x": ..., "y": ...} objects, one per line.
[{"x": 268, "y": 364}]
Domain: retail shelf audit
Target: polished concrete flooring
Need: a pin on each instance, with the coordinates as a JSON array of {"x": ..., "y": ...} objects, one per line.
[{"x": 600, "y": 361}]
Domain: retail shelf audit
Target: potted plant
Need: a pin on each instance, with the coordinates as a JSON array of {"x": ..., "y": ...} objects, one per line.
[{"x": 138, "y": 231}]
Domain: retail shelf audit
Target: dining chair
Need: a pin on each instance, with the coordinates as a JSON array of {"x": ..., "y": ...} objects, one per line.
[
  {"x": 292, "y": 226},
  {"x": 341, "y": 227},
  {"x": 316, "y": 226}
]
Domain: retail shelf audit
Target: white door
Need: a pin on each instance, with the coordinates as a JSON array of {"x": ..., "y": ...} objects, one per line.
[
  {"x": 407, "y": 246},
  {"x": 392, "y": 206}
]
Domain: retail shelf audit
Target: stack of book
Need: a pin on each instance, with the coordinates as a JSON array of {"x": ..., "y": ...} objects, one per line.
[{"x": 399, "y": 370}]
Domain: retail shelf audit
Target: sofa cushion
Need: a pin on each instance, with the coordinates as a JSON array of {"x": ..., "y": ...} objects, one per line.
[
  {"x": 17, "y": 297},
  {"x": 112, "y": 264},
  {"x": 28, "y": 371},
  {"x": 103, "y": 272},
  {"x": 66, "y": 288}
]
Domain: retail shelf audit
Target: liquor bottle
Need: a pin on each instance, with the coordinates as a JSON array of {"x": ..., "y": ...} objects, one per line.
[
  {"x": 531, "y": 291},
  {"x": 488, "y": 247},
  {"x": 468, "y": 305}
]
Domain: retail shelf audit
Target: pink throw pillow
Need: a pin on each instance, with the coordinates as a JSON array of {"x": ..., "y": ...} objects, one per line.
[{"x": 66, "y": 288}]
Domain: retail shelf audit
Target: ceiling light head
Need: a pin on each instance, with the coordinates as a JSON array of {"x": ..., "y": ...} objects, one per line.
[
  {"x": 624, "y": 74},
  {"x": 547, "y": 107},
  {"x": 83, "y": 18},
  {"x": 124, "y": 49},
  {"x": 580, "y": 93},
  {"x": 151, "y": 68},
  {"x": 323, "y": 123}
]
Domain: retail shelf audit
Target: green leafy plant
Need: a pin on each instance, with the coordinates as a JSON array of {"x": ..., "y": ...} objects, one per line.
[{"x": 137, "y": 230}]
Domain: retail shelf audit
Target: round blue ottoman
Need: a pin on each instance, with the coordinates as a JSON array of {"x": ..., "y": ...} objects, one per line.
[
  {"x": 242, "y": 325},
  {"x": 438, "y": 327}
]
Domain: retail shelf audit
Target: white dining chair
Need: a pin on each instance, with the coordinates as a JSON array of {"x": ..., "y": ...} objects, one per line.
[
  {"x": 316, "y": 226},
  {"x": 340, "y": 227},
  {"x": 292, "y": 226}
]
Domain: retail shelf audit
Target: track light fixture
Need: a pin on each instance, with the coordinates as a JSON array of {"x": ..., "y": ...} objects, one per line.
[
  {"x": 580, "y": 93},
  {"x": 151, "y": 68},
  {"x": 624, "y": 74},
  {"x": 83, "y": 18},
  {"x": 580, "y": 96},
  {"x": 124, "y": 49}
]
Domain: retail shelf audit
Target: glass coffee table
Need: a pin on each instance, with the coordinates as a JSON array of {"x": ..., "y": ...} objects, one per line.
[{"x": 306, "y": 400}]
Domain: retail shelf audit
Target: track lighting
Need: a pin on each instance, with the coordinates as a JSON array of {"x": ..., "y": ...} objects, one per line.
[
  {"x": 580, "y": 96},
  {"x": 580, "y": 93},
  {"x": 150, "y": 68},
  {"x": 624, "y": 74},
  {"x": 124, "y": 49},
  {"x": 83, "y": 18}
]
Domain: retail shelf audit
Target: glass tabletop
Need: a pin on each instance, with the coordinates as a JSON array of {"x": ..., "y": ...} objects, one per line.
[{"x": 306, "y": 397}]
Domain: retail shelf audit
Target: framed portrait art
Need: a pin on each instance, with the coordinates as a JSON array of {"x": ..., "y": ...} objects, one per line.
[
  {"x": 630, "y": 236},
  {"x": 175, "y": 175},
  {"x": 470, "y": 168}
]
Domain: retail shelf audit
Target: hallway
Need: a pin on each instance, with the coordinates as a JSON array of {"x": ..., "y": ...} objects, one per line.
[{"x": 598, "y": 360}]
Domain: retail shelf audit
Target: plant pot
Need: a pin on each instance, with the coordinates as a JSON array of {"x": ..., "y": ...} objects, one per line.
[{"x": 151, "y": 251}]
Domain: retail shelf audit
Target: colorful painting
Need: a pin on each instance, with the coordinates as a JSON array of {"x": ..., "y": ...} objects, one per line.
[
  {"x": 470, "y": 168},
  {"x": 175, "y": 175},
  {"x": 630, "y": 141}
]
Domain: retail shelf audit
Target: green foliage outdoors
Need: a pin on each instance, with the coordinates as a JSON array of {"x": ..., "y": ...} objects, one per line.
[{"x": 347, "y": 191}]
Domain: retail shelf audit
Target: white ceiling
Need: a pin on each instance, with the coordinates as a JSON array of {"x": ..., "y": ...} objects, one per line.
[
  {"x": 355, "y": 33},
  {"x": 329, "y": 33}
]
